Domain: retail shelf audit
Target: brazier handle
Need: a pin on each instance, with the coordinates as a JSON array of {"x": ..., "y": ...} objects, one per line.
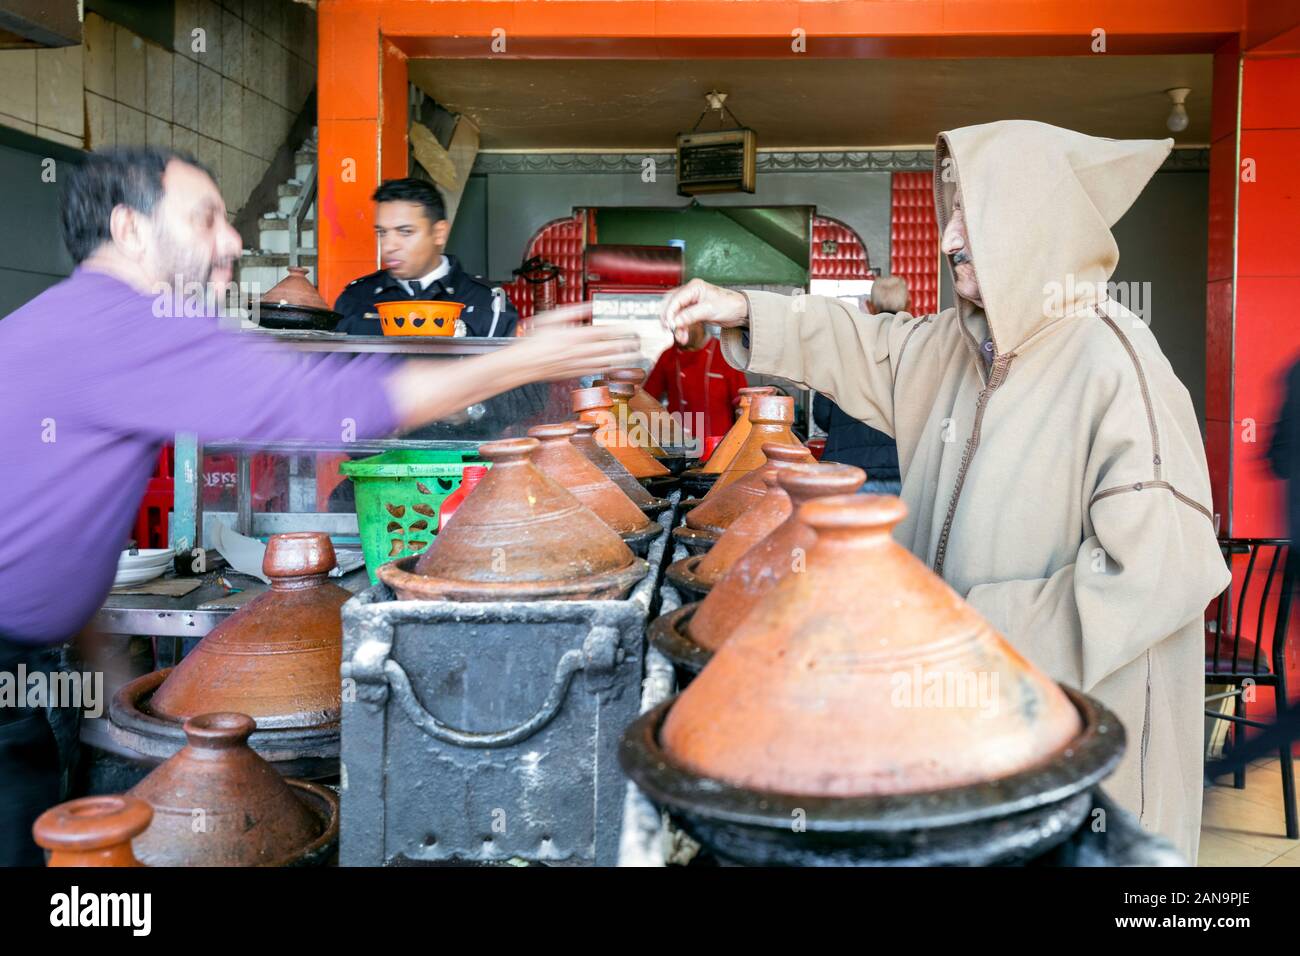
[{"x": 600, "y": 651}]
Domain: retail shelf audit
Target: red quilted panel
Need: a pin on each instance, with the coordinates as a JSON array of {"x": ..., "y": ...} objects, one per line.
[
  {"x": 914, "y": 239},
  {"x": 837, "y": 251},
  {"x": 561, "y": 242}
]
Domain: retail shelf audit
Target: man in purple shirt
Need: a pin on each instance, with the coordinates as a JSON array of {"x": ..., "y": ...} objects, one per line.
[{"x": 95, "y": 375}]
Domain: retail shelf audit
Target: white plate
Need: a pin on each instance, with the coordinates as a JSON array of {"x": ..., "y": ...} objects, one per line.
[{"x": 146, "y": 565}]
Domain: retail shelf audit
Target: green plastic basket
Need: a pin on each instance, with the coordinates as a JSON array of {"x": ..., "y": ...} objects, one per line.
[{"x": 399, "y": 495}]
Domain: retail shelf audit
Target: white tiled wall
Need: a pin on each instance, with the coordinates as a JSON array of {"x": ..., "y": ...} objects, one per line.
[{"x": 227, "y": 94}]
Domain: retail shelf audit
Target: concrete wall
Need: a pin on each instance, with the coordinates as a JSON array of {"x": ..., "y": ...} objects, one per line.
[{"x": 227, "y": 94}]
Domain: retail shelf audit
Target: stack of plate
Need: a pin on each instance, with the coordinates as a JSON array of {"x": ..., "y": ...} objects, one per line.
[{"x": 145, "y": 565}]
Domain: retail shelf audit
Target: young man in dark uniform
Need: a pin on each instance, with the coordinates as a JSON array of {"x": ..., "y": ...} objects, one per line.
[{"x": 412, "y": 227}]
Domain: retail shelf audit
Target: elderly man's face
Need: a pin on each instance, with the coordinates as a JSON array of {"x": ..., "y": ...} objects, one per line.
[
  {"x": 190, "y": 235},
  {"x": 954, "y": 245}
]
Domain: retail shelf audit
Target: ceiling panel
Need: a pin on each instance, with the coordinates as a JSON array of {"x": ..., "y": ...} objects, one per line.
[{"x": 643, "y": 104}]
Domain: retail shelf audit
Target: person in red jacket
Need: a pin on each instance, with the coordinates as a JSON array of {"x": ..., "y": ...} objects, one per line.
[{"x": 697, "y": 380}]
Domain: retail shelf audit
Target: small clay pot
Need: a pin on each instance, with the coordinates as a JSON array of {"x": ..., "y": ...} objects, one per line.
[
  {"x": 277, "y": 658},
  {"x": 557, "y": 458},
  {"x": 865, "y": 674},
  {"x": 596, "y": 405},
  {"x": 520, "y": 536},
  {"x": 217, "y": 803},
  {"x": 93, "y": 831}
]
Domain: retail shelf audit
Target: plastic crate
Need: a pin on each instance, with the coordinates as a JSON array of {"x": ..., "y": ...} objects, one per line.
[{"x": 399, "y": 494}]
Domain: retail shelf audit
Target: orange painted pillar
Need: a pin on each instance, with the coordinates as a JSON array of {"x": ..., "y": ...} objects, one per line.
[{"x": 361, "y": 112}]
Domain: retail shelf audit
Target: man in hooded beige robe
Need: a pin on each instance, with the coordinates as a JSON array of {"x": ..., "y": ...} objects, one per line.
[{"x": 1051, "y": 461}]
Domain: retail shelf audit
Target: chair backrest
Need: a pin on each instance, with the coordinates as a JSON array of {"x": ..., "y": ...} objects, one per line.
[{"x": 1266, "y": 585}]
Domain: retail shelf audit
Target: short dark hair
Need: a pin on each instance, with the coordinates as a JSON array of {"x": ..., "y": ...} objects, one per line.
[
  {"x": 122, "y": 176},
  {"x": 412, "y": 190}
]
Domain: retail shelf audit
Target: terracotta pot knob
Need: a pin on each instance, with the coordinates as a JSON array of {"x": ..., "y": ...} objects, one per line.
[
  {"x": 750, "y": 391},
  {"x": 299, "y": 554},
  {"x": 785, "y": 454},
  {"x": 855, "y": 513},
  {"x": 557, "y": 432},
  {"x": 771, "y": 409},
  {"x": 585, "y": 399},
  {"x": 621, "y": 389},
  {"x": 586, "y": 429},
  {"x": 635, "y": 376},
  {"x": 804, "y": 481},
  {"x": 92, "y": 823},
  {"x": 509, "y": 451},
  {"x": 221, "y": 731}
]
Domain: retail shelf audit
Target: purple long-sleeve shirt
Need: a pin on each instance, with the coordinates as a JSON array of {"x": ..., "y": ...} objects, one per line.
[{"x": 92, "y": 383}]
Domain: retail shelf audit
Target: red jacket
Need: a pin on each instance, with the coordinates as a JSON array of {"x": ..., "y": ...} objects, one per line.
[{"x": 699, "y": 381}]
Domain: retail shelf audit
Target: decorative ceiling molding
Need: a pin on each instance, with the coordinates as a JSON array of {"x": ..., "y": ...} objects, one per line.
[{"x": 812, "y": 161}]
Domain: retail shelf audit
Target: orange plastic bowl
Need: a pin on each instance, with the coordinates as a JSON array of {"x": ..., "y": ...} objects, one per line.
[{"x": 419, "y": 317}]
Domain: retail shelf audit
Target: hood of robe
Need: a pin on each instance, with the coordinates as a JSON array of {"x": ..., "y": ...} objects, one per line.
[{"x": 1020, "y": 181}]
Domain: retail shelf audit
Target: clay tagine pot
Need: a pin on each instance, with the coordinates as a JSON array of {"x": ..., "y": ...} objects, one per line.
[
  {"x": 913, "y": 690},
  {"x": 770, "y": 418},
  {"x": 736, "y": 435},
  {"x": 657, "y": 420},
  {"x": 596, "y": 405},
  {"x": 710, "y": 519},
  {"x": 294, "y": 303},
  {"x": 277, "y": 658},
  {"x": 519, "y": 537},
  {"x": 93, "y": 831},
  {"x": 217, "y": 803},
  {"x": 584, "y": 439},
  {"x": 557, "y": 458},
  {"x": 697, "y": 574},
  {"x": 635, "y": 423},
  {"x": 757, "y": 570}
]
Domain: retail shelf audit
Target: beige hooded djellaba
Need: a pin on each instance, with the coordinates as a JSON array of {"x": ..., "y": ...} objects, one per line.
[{"x": 1063, "y": 491}]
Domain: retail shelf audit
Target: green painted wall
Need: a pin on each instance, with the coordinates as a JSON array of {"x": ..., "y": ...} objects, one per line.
[{"x": 718, "y": 248}]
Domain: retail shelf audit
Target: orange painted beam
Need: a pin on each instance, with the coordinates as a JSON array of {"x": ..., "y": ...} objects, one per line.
[{"x": 363, "y": 46}]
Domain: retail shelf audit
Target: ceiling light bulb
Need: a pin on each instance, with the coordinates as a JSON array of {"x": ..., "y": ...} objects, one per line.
[{"x": 1178, "y": 120}]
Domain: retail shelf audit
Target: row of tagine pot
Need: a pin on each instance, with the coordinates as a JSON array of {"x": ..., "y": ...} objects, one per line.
[{"x": 841, "y": 705}]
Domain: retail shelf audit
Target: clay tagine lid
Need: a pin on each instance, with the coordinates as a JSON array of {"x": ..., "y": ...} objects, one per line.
[
  {"x": 519, "y": 536},
  {"x": 865, "y": 675},
  {"x": 558, "y": 458},
  {"x": 277, "y": 658},
  {"x": 658, "y": 422},
  {"x": 93, "y": 831},
  {"x": 720, "y": 508},
  {"x": 747, "y": 530},
  {"x": 770, "y": 418},
  {"x": 737, "y": 433},
  {"x": 584, "y": 439},
  {"x": 217, "y": 803},
  {"x": 295, "y": 289},
  {"x": 756, "y": 571},
  {"x": 596, "y": 405}
]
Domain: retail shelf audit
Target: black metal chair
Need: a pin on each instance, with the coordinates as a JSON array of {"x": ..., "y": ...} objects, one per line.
[{"x": 1243, "y": 662}]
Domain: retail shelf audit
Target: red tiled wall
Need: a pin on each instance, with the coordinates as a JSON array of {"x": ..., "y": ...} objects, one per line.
[
  {"x": 914, "y": 239},
  {"x": 849, "y": 260},
  {"x": 560, "y": 242}
]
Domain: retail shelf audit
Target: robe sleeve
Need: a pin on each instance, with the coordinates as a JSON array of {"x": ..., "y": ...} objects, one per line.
[{"x": 822, "y": 343}]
